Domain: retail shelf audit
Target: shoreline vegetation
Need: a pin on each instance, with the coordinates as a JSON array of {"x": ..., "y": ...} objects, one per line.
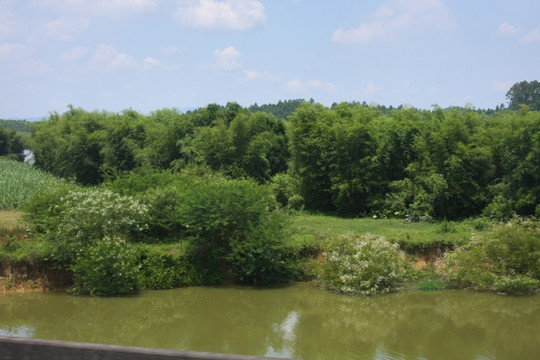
[{"x": 355, "y": 199}]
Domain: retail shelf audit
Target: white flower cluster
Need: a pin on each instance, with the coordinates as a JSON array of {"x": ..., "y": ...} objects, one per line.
[
  {"x": 95, "y": 213},
  {"x": 364, "y": 265}
]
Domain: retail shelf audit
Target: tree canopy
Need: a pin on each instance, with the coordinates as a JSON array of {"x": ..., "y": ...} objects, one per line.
[
  {"x": 11, "y": 144},
  {"x": 351, "y": 158},
  {"x": 524, "y": 93}
]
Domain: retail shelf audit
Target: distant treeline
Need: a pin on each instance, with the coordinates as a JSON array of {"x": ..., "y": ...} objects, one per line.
[
  {"x": 17, "y": 125},
  {"x": 351, "y": 158}
]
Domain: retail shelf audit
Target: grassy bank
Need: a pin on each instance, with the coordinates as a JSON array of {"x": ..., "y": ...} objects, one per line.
[{"x": 412, "y": 237}]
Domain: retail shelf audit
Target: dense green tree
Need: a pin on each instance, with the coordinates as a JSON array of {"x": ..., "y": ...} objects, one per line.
[
  {"x": 11, "y": 144},
  {"x": 524, "y": 93},
  {"x": 352, "y": 158}
]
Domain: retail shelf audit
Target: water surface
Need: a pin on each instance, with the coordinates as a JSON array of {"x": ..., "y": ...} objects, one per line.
[{"x": 296, "y": 321}]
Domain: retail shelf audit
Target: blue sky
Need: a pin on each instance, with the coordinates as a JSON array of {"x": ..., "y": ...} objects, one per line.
[{"x": 150, "y": 54}]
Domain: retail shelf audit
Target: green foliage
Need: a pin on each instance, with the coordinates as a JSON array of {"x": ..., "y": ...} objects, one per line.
[
  {"x": 233, "y": 224},
  {"x": 76, "y": 215},
  {"x": 500, "y": 209},
  {"x": 524, "y": 93},
  {"x": 285, "y": 189},
  {"x": 17, "y": 125},
  {"x": 431, "y": 285},
  {"x": 260, "y": 258},
  {"x": 366, "y": 265},
  {"x": 167, "y": 269},
  {"x": 283, "y": 109},
  {"x": 481, "y": 224},
  {"x": 352, "y": 158},
  {"x": 507, "y": 260},
  {"x": 19, "y": 181},
  {"x": 11, "y": 144},
  {"x": 106, "y": 267}
]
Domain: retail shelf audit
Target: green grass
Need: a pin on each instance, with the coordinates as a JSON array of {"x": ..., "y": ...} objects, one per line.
[
  {"x": 11, "y": 219},
  {"x": 412, "y": 237},
  {"x": 18, "y": 181}
]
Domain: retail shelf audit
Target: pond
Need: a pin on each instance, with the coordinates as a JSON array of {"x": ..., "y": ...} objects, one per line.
[{"x": 295, "y": 321}]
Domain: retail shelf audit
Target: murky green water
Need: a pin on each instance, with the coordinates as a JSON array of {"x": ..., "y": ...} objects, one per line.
[{"x": 296, "y": 321}]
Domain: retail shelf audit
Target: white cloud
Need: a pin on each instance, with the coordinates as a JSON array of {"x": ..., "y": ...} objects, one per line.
[
  {"x": 228, "y": 58},
  {"x": 102, "y": 7},
  {"x": 397, "y": 16},
  {"x": 227, "y": 14},
  {"x": 372, "y": 88},
  {"x": 299, "y": 85},
  {"x": 532, "y": 36},
  {"x": 502, "y": 85},
  {"x": 253, "y": 75},
  {"x": 150, "y": 62},
  {"x": 508, "y": 29},
  {"x": 111, "y": 60}
]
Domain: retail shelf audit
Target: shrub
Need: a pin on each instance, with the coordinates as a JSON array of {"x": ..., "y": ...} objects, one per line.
[
  {"x": 233, "y": 224},
  {"x": 73, "y": 214},
  {"x": 260, "y": 258},
  {"x": 106, "y": 267},
  {"x": 285, "y": 189},
  {"x": 507, "y": 260},
  {"x": 481, "y": 224},
  {"x": 162, "y": 269},
  {"x": 500, "y": 209},
  {"x": 365, "y": 265}
]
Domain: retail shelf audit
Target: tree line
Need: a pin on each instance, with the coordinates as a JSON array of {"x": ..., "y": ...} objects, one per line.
[{"x": 351, "y": 158}]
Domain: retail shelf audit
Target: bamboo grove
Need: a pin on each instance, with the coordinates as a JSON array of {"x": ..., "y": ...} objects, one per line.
[{"x": 350, "y": 158}]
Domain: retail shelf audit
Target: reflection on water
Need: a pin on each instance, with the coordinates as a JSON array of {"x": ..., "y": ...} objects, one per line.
[
  {"x": 18, "y": 331},
  {"x": 295, "y": 321}
]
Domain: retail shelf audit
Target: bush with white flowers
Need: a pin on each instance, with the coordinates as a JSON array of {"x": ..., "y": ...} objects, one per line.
[
  {"x": 95, "y": 213},
  {"x": 361, "y": 265}
]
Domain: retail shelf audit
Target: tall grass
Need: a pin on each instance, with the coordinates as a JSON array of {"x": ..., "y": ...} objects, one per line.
[{"x": 18, "y": 181}]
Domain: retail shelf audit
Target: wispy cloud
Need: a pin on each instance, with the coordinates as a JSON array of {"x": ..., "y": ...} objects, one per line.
[
  {"x": 531, "y": 37},
  {"x": 12, "y": 50},
  {"x": 259, "y": 75},
  {"x": 227, "y": 59},
  {"x": 508, "y": 29},
  {"x": 299, "y": 85},
  {"x": 108, "y": 58},
  {"x": 102, "y": 7},
  {"x": 501, "y": 85},
  {"x": 8, "y": 20},
  {"x": 227, "y": 14},
  {"x": 397, "y": 16},
  {"x": 60, "y": 29},
  {"x": 371, "y": 88},
  {"x": 74, "y": 54},
  {"x": 525, "y": 36}
]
